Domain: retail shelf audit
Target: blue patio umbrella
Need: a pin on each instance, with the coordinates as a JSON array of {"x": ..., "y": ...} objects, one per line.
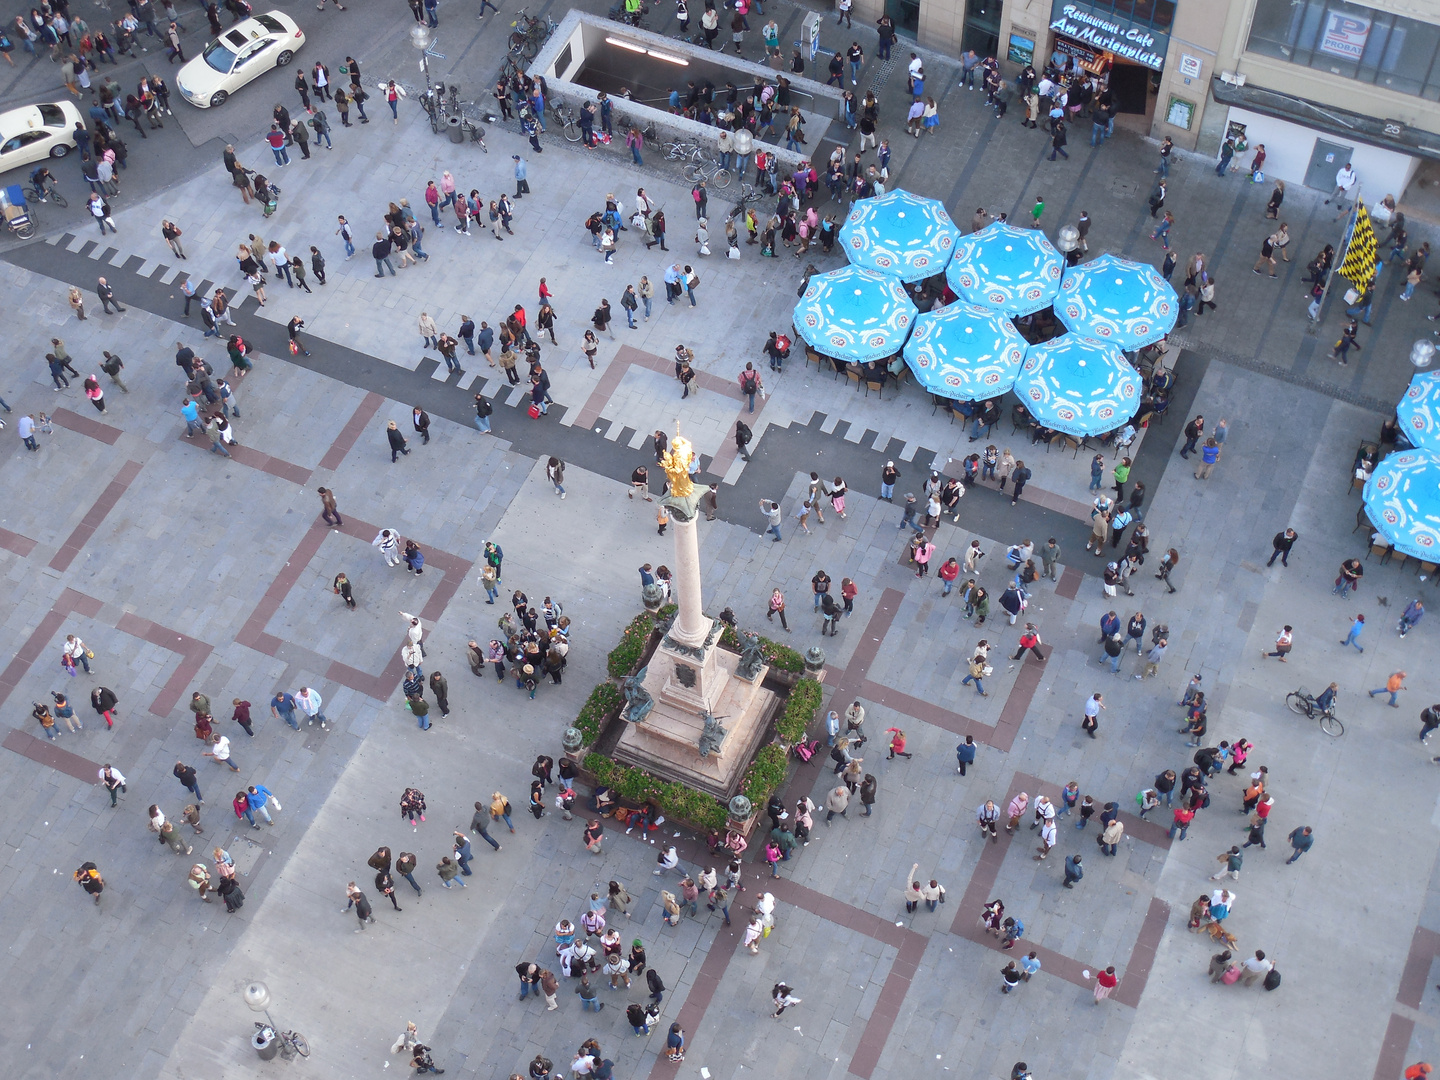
[
  {"x": 965, "y": 351},
  {"x": 901, "y": 234},
  {"x": 1016, "y": 271},
  {"x": 855, "y": 314},
  {"x": 1078, "y": 386},
  {"x": 1419, "y": 411},
  {"x": 1402, "y": 498},
  {"x": 1117, "y": 301}
]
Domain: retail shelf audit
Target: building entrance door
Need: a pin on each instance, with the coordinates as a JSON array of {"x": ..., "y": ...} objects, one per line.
[
  {"x": 906, "y": 14},
  {"x": 982, "y": 27},
  {"x": 1325, "y": 161}
]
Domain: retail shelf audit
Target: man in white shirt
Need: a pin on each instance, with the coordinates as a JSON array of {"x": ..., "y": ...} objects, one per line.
[
  {"x": 1257, "y": 967},
  {"x": 220, "y": 751},
  {"x": 415, "y": 631},
  {"x": 1044, "y": 812},
  {"x": 113, "y": 780},
  {"x": 310, "y": 703},
  {"x": 388, "y": 541},
  {"x": 75, "y": 649},
  {"x": 1344, "y": 181}
]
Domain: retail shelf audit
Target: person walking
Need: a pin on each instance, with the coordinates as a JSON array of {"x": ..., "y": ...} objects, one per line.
[
  {"x": 1301, "y": 840},
  {"x": 106, "y": 292},
  {"x": 1105, "y": 983},
  {"x": 771, "y": 510},
  {"x": 188, "y": 779},
  {"x": 1342, "y": 347},
  {"x": 1393, "y": 685},
  {"x": 396, "y": 439},
  {"x": 1090, "y": 724},
  {"x": 1181, "y": 818},
  {"x": 1230, "y": 862},
  {"x": 1429, "y": 721},
  {"x": 113, "y": 780},
  {"x": 360, "y": 902},
  {"x": 219, "y": 752},
  {"x": 1353, "y": 637},
  {"x": 1073, "y": 871},
  {"x": 88, "y": 878}
]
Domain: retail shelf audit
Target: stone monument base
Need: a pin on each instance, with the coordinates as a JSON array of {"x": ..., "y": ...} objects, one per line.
[{"x": 667, "y": 743}]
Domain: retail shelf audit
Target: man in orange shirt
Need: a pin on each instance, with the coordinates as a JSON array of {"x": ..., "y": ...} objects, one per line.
[{"x": 1393, "y": 686}]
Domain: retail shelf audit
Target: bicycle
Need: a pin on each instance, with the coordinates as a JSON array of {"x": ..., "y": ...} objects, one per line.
[
  {"x": 683, "y": 151},
  {"x": 565, "y": 117},
  {"x": 470, "y": 117},
  {"x": 750, "y": 198},
  {"x": 510, "y": 68},
  {"x": 291, "y": 1042},
  {"x": 50, "y": 194},
  {"x": 1302, "y": 703},
  {"x": 712, "y": 172},
  {"x": 22, "y": 225},
  {"x": 430, "y": 101},
  {"x": 530, "y": 34}
]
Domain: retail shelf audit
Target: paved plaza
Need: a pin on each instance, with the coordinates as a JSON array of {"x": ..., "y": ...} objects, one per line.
[{"x": 184, "y": 571}]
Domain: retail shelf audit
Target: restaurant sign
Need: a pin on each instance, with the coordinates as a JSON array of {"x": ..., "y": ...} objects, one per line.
[{"x": 1110, "y": 34}]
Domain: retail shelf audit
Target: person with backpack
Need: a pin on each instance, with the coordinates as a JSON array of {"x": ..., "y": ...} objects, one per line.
[
  {"x": 88, "y": 878},
  {"x": 777, "y": 348},
  {"x": 750, "y": 378},
  {"x": 743, "y": 435}
]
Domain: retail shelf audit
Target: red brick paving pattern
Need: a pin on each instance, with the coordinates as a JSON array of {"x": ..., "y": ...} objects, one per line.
[
  {"x": 627, "y": 357},
  {"x": 13, "y": 541},
  {"x": 1135, "y": 972},
  {"x": 1424, "y": 948},
  {"x": 193, "y": 653},
  {"x": 46, "y": 752},
  {"x": 351, "y": 432},
  {"x": 96, "y": 514},
  {"x": 253, "y": 634},
  {"x": 84, "y": 425}
]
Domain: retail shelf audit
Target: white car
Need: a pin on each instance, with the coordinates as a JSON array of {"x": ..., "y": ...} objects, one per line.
[
  {"x": 249, "y": 48},
  {"x": 36, "y": 132}
]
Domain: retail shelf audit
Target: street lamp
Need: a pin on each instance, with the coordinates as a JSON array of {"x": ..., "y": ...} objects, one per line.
[
  {"x": 422, "y": 37},
  {"x": 257, "y": 998},
  {"x": 1422, "y": 353},
  {"x": 1067, "y": 241},
  {"x": 264, "y": 1041}
]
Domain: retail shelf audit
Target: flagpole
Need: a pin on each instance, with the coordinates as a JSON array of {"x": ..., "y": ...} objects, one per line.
[{"x": 1313, "y": 330}]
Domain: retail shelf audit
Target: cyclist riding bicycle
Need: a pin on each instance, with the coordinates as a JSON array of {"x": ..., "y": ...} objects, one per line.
[
  {"x": 43, "y": 182},
  {"x": 1325, "y": 702}
]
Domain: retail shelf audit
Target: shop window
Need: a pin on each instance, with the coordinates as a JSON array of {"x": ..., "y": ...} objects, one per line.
[
  {"x": 1351, "y": 41},
  {"x": 1408, "y": 57}
]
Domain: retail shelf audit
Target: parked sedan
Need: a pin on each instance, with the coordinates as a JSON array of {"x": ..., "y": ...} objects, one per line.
[
  {"x": 35, "y": 132},
  {"x": 248, "y": 49}
]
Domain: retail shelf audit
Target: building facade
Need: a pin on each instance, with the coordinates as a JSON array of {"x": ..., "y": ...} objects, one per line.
[
  {"x": 1315, "y": 81},
  {"x": 1325, "y": 82}
]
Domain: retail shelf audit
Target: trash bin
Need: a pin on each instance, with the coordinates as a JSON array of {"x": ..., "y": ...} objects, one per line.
[
  {"x": 265, "y": 1044},
  {"x": 457, "y": 132}
]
